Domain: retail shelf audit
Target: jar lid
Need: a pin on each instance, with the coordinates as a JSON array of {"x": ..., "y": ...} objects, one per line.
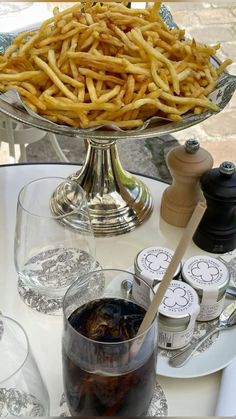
[
  {"x": 205, "y": 272},
  {"x": 180, "y": 303},
  {"x": 151, "y": 263}
]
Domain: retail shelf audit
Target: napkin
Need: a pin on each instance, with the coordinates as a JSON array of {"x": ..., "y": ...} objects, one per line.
[{"x": 226, "y": 403}]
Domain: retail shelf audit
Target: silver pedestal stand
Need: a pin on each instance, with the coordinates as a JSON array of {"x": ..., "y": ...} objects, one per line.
[{"x": 118, "y": 201}]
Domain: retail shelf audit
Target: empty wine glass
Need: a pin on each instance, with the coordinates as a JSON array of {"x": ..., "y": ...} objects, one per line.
[
  {"x": 22, "y": 390},
  {"x": 49, "y": 252}
]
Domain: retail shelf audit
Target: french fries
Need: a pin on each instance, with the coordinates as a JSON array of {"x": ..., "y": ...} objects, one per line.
[{"x": 102, "y": 63}]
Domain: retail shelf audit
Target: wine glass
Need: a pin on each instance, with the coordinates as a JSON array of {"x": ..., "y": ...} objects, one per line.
[
  {"x": 22, "y": 390},
  {"x": 51, "y": 251}
]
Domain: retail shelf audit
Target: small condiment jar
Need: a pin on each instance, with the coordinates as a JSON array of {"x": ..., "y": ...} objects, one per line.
[
  {"x": 150, "y": 264},
  {"x": 216, "y": 232},
  {"x": 209, "y": 277},
  {"x": 177, "y": 315},
  {"x": 186, "y": 163}
]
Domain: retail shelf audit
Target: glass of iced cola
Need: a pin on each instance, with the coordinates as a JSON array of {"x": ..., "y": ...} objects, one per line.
[{"x": 109, "y": 369}]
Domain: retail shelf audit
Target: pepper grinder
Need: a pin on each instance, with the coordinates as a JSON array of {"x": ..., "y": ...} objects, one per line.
[
  {"x": 216, "y": 232},
  {"x": 186, "y": 163}
]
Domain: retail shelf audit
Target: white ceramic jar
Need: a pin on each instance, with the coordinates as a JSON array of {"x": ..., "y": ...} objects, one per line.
[
  {"x": 209, "y": 277},
  {"x": 177, "y": 315},
  {"x": 150, "y": 264}
]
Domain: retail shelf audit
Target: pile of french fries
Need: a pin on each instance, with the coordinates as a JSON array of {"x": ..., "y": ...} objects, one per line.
[{"x": 103, "y": 63}]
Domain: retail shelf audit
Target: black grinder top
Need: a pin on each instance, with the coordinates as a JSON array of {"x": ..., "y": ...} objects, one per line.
[{"x": 220, "y": 183}]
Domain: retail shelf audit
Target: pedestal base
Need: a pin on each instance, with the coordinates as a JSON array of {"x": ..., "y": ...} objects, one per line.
[{"x": 118, "y": 202}]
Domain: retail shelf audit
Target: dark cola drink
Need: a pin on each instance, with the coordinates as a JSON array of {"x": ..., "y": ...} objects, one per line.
[{"x": 104, "y": 373}]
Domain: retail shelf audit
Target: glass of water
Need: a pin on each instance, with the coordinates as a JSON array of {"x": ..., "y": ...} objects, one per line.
[
  {"x": 51, "y": 251},
  {"x": 22, "y": 390}
]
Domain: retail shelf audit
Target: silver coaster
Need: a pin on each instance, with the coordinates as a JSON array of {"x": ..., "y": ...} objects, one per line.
[
  {"x": 201, "y": 328},
  {"x": 41, "y": 303},
  {"x": 18, "y": 403},
  {"x": 158, "y": 405},
  {"x": 58, "y": 267}
]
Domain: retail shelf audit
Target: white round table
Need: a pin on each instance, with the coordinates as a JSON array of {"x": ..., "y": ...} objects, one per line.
[{"x": 185, "y": 397}]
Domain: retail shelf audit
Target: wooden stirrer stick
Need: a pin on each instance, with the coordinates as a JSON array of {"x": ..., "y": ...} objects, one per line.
[{"x": 178, "y": 255}]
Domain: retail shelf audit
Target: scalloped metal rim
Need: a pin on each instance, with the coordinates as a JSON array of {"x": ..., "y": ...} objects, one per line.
[{"x": 22, "y": 116}]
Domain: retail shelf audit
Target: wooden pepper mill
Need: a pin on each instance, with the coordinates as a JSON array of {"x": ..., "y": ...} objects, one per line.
[{"x": 186, "y": 164}]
